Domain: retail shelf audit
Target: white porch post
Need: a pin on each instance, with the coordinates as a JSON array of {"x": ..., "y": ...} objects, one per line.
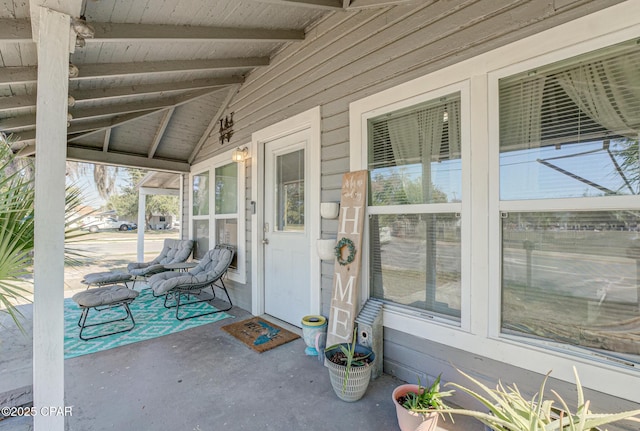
[
  {"x": 51, "y": 152},
  {"x": 142, "y": 206}
]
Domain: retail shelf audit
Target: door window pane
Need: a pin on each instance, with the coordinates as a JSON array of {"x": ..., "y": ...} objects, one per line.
[
  {"x": 415, "y": 261},
  {"x": 201, "y": 194},
  {"x": 227, "y": 189},
  {"x": 573, "y": 277},
  {"x": 290, "y": 192}
]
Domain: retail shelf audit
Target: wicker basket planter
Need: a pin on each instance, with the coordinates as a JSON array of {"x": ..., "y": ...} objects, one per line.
[{"x": 358, "y": 380}]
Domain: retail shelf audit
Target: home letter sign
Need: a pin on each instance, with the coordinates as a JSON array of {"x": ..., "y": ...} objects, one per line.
[{"x": 344, "y": 299}]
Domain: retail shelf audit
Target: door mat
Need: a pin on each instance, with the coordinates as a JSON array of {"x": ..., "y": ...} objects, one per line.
[{"x": 260, "y": 335}]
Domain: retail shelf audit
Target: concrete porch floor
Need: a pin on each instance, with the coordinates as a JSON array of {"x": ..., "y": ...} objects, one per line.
[{"x": 204, "y": 379}]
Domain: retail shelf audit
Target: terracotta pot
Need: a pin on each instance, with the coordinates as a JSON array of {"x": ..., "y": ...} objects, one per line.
[{"x": 408, "y": 420}]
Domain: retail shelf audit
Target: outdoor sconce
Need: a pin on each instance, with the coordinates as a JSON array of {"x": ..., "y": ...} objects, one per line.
[
  {"x": 239, "y": 155},
  {"x": 226, "y": 128}
]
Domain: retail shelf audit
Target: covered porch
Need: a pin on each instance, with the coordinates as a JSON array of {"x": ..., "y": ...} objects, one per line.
[
  {"x": 327, "y": 87},
  {"x": 204, "y": 379}
]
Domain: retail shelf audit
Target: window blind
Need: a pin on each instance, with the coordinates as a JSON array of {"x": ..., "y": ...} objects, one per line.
[
  {"x": 423, "y": 133},
  {"x": 595, "y": 97}
]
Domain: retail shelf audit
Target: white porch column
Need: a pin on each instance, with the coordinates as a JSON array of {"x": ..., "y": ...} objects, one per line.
[
  {"x": 142, "y": 206},
  {"x": 51, "y": 152}
]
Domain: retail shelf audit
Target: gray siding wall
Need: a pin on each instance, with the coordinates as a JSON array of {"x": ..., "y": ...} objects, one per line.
[{"x": 350, "y": 55}]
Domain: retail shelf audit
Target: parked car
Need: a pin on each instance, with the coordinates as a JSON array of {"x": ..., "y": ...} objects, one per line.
[{"x": 109, "y": 224}]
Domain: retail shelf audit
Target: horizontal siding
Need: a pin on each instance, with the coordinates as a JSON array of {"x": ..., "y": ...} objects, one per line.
[
  {"x": 425, "y": 356},
  {"x": 351, "y": 55}
]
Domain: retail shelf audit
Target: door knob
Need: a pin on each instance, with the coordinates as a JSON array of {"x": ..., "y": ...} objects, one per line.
[{"x": 265, "y": 241}]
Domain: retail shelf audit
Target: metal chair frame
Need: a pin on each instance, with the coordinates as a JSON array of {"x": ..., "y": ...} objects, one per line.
[
  {"x": 195, "y": 290},
  {"x": 82, "y": 322}
]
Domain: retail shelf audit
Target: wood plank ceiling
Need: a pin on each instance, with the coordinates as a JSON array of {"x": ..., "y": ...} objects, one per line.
[{"x": 156, "y": 76}]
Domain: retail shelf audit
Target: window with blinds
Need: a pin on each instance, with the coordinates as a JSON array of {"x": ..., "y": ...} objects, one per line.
[
  {"x": 414, "y": 162},
  {"x": 570, "y": 130},
  {"x": 414, "y": 154}
]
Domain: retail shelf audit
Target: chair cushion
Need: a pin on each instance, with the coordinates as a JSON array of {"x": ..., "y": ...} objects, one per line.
[
  {"x": 106, "y": 277},
  {"x": 106, "y": 295},
  {"x": 174, "y": 251},
  {"x": 165, "y": 281},
  {"x": 212, "y": 266},
  {"x": 142, "y": 269}
]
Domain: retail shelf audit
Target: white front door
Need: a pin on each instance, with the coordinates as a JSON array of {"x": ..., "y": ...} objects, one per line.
[{"x": 287, "y": 291}]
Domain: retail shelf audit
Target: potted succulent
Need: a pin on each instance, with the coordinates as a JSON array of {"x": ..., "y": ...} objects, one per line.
[
  {"x": 508, "y": 410},
  {"x": 417, "y": 406},
  {"x": 350, "y": 367}
]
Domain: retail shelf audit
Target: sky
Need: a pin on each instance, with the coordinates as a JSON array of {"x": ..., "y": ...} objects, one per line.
[{"x": 89, "y": 190}]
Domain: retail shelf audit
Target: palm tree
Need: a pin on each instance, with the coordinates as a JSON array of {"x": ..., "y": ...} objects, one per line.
[
  {"x": 16, "y": 229},
  {"x": 17, "y": 196}
]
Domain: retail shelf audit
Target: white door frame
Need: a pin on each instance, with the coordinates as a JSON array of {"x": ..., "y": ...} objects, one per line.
[{"x": 306, "y": 120}]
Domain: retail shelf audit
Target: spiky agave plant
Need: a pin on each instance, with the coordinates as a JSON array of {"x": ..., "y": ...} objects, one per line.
[{"x": 509, "y": 410}]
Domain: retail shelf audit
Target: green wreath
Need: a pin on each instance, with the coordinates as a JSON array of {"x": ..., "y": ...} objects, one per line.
[{"x": 338, "y": 251}]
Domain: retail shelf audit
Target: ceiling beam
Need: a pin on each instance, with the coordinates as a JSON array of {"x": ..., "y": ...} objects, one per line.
[
  {"x": 15, "y": 30},
  {"x": 87, "y": 128},
  {"x": 10, "y": 103},
  {"x": 130, "y": 160},
  {"x": 104, "y": 124},
  {"x": 107, "y": 140},
  {"x": 18, "y": 75},
  {"x": 28, "y": 75},
  {"x": 364, "y": 4},
  {"x": 126, "y": 33},
  {"x": 111, "y": 70},
  {"x": 148, "y": 89},
  {"x": 160, "y": 132},
  {"x": 20, "y": 30},
  {"x": 315, "y": 4},
  {"x": 81, "y": 96},
  {"x": 27, "y": 122},
  {"x": 214, "y": 122}
]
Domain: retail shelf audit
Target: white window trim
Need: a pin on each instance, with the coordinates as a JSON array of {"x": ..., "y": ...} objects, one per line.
[
  {"x": 461, "y": 88},
  {"x": 238, "y": 275},
  {"x": 479, "y": 332}
]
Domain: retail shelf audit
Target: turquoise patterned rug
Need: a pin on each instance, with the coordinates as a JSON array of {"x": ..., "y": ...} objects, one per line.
[{"x": 152, "y": 320}]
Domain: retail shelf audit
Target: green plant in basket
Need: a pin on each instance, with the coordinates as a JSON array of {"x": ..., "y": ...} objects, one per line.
[{"x": 349, "y": 358}]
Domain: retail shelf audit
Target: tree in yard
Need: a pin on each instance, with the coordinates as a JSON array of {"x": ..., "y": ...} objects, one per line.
[
  {"x": 104, "y": 176},
  {"x": 126, "y": 202}
]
